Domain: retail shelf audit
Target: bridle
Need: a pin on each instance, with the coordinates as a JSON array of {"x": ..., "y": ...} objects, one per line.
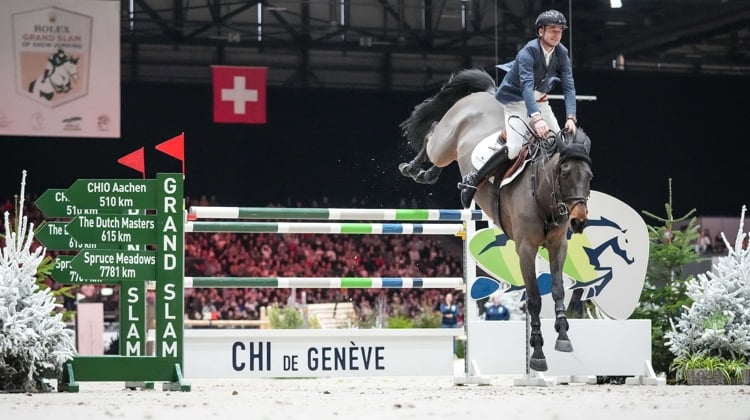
[
  {"x": 563, "y": 207},
  {"x": 559, "y": 208}
]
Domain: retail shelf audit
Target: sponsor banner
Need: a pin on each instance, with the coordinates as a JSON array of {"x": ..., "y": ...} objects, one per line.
[
  {"x": 252, "y": 353},
  {"x": 62, "y": 61},
  {"x": 607, "y": 263}
]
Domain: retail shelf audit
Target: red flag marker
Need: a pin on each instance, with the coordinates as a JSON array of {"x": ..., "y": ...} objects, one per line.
[
  {"x": 134, "y": 160},
  {"x": 174, "y": 147}
]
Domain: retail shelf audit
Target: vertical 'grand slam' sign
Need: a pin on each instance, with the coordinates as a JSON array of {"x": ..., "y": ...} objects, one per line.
[{"x": 170, "y": 267}]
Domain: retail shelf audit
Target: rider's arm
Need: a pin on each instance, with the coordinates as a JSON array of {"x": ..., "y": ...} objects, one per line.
[
  {"x": 568, "y": 85},
  {"x": 525, "y": 59}
]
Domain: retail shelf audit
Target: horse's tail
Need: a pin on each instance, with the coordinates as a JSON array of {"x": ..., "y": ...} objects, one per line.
[{"x": 431, "y": 110}]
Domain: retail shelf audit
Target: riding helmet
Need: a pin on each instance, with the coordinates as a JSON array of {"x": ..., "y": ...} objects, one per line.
[{"x": 551, "y": 17}]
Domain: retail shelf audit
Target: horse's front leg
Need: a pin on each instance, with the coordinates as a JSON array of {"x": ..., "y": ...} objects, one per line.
[
  {"x": 527, "y": 258},
  {"x": 557, "y": 256}
]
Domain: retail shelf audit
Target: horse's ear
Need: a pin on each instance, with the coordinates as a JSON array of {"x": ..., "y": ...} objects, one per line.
[
  {"x": 560, "y": 141},
  {"x": 583, "y": 138}
]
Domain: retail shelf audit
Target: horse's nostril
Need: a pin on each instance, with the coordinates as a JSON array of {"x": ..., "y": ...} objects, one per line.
[{"x": 577, "y": 225}]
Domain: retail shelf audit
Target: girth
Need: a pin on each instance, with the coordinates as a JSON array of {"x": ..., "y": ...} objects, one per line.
[{"x": 514, "y": 165}]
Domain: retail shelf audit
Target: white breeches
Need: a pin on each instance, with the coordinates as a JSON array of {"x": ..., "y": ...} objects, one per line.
[{"x": 516, "y": 131}]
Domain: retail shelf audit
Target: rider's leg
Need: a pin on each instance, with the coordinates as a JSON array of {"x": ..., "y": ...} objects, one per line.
[
  {"x": 549, "y": 116},
  {"x": 515, "y": 139},
  {"x": 469, "y": 182}
]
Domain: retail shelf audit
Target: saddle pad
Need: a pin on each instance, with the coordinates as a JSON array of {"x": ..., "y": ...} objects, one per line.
[{"x": 486, "y": 148}]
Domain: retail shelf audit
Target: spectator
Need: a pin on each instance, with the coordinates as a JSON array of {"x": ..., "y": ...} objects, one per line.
[
  {"x": 703, "y": 244},
  {"x": 495, "y": 310},
  {"x": 449, "y": 312}
]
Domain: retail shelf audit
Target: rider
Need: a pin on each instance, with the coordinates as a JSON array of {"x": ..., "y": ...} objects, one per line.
[{"x": 523, "y": 93}]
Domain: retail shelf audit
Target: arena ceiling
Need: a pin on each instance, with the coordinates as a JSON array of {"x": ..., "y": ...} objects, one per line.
[{"x": 415, "y": 44}]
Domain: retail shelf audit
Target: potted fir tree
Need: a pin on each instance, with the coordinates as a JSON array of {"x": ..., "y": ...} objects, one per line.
[
  {"x": 664, "y": 293},
  {"x": 711, "y": 339}
]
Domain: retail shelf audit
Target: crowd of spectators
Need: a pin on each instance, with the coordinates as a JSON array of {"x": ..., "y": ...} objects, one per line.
[
  {"x": 316, "y": 255},
  {"x": 295, "y": 255}
]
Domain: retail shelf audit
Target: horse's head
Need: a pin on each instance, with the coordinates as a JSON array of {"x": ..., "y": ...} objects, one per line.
[{"x": 574, "y": 172}]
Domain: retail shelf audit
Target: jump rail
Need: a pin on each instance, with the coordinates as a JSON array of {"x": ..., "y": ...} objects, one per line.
[
  {"x": 443, "y": 215},
  {"x": 327, "y": 282},
  {"x": 313, "y": 227}
]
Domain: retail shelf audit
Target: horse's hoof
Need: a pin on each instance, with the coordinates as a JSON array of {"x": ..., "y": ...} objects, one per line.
[
  {"x": 563, "y": 345},
  {"x": 409, "y": 170},
  {"x": 539, "y": 365}
]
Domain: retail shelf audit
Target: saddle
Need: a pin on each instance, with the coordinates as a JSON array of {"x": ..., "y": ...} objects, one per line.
[
  {"x": 503, "y": 175},
  {"x": 516, "y": 163},
  {"x": 488, "y": 146}
]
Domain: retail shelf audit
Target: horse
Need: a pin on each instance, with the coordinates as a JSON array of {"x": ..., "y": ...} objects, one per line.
[
  {"x": 540, "y": 207},
  {"x": 59, "y": 75}
]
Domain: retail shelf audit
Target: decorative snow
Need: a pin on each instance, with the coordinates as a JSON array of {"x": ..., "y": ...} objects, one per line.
[
  {"x": 34, "y": 342},
  {"x": 718, "y": 321}
]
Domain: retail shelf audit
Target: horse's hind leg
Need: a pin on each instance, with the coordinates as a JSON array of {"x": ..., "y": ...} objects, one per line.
[
  {"x": 414, "y": 167},
  {"x": 429, "y": 176}
]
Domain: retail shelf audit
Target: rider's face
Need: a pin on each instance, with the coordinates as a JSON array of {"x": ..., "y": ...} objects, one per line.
[{"x": 550, "y": 35}]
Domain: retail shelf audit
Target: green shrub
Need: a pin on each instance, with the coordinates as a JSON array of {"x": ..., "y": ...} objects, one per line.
[
  {"x": 730, "y": 369},
  {"x": 460, "y": 347},
  {"x": 286, "y": 318},
  {"x": 427, "y": 318},
  {"x": 400, "y": 322}
]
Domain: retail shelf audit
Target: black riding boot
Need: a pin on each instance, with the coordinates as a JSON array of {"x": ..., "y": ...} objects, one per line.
[{"x": 468, "y": 184}]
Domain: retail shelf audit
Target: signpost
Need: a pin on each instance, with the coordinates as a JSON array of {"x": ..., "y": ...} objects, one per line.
[
  {"x": 114, "y": 229},
  {"x": 106, "y": 220},
  {"x": 115, "y": 265},
  {"x": 54, "y": 203},
  {"x": 55, "y": 236},
  {"x": 113, "y": 194},
  {"x": 63, "y": 273}
]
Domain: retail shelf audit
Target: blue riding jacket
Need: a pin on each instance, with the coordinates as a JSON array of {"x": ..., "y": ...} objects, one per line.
[
  {"x": 497, "y": 313},
  {"x": 529, "y": 72}
]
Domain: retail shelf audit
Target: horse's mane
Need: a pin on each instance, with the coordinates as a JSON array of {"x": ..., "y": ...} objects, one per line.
[{"x": 431, "y": 110}]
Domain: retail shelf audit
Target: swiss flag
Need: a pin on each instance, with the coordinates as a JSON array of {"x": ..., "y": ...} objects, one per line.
[{"x": 239, "y": 94}]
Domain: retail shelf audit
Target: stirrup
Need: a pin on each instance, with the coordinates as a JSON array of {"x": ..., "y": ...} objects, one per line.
[{"x": 461, "y": 185}]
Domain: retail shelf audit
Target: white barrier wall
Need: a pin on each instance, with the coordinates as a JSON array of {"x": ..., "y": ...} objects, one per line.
[
  {"x": 250, "y": 353},
  {"x": 600, "y": 347}
]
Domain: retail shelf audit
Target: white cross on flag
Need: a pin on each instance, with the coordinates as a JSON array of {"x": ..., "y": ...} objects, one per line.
[{"x": 239, "y": 94}]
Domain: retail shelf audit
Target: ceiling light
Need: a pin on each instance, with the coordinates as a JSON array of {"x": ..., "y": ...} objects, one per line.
[{"x": 615, "y": 4}]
